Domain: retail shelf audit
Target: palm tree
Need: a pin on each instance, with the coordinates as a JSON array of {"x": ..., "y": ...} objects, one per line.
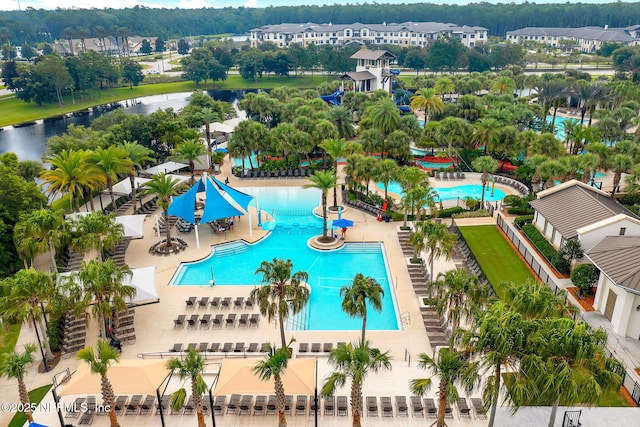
[
  {"x": 208, "y": 116},
  {"x": 111, "y": 162},
  {"x": 191, "y": 366},
  {"x": 384, "y": 116},
  {"x": 410, "y": 177},
  {"x": 458, "y": 296},
  {"x": 27, "y": 292},
  {"x": 428, "y": 100},
  {"x": 71, "y": 173},
  {"x": 354, "y": 363},
  {"x": 97, "y": 231},
  {"x": 99, "y": 363},
  {"x": 103, "y": 289},
  {"x": 164, "y": 187},
  {"x": 363, "y": 289},
  {"x": 139, "y": 155},
  {"x": 633, "y": 180},
  {"x": 385, "y": 172},
  {"x": 343, "y": 121},
  {"x": 589, "y": 163},
  {"x": 190, "y": 150},
  {"x": 42, "y": 230},
  {"x": 282, "y": 294},
  {"x": 619, "y": 163},
  {"x": 324, "y": 181},
  {"x": 438, "y": 240},
  {"x": 451, "y": 368},
  {"x": 335, "y": 148},
  {"x": 14, "y": 365},
  {"x": 443, "y": 86},
  {"x": 274, "y": 366},
  {"x": 503, "y": 85},
  {"x": 486, "y": 165},
  {"x": 486, "y": 131}
]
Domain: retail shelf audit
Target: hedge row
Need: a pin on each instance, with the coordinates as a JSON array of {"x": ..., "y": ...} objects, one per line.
[
  {"x": 520, "y": 211},
  {"x": 540, "y": 242},
  {"x": 522, "y": 220},
  {"x": 480, "y": 213},
  {"x": 448, "y": 212}
]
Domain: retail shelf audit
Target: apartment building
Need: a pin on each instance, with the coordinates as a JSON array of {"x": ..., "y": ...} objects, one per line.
[{"x": 587, "y": 39}]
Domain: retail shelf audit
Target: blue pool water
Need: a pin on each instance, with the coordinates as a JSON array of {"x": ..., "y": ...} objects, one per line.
[
  {"x": 433, "y": 165},
  {"x": 235, "y": 263},
  {"x": 461, "y": 191}
]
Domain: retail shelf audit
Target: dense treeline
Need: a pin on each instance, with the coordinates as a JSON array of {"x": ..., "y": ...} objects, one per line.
[{"x": 44, "y": 25}]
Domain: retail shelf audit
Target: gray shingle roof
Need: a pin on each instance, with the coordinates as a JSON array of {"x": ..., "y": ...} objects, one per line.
[
  {"x": 371, "y": 54},
  {"x": 418, "y": 27},
  {"x": 574, "y": 206},
  {"x": 619, "y": 258},
  {"x": 359, "y": 76},
  {"x": 584, "y": 33}
]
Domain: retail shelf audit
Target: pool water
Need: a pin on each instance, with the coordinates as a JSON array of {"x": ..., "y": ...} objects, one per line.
[
  {"x": 452, "y": 193},
  {"x": 433, "y": 165},
  {"x": 235, "y": 263}
]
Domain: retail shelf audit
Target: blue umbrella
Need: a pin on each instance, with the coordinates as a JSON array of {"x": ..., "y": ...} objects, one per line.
[{"x": 342, "y": 223}]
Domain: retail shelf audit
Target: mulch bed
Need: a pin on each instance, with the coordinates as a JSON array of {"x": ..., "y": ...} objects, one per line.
[{"x": 586, "y": 302}]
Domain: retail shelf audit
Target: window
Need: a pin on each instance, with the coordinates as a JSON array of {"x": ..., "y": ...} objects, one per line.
[{"x": 623, "y": 230}]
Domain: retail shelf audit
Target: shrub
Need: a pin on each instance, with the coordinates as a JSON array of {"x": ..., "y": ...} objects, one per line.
[
  {"x": 560, "y": 263},
  {"x": 520, "y": 211},
  {"x": 472, "y": 214},
  {"x": 448, "y": 212},
  {"x": 522, "y": 220},
  {"x": 585, "y": 276},
  {"x": 540, "y": 242},
  {"x": 515, "y": 201}
]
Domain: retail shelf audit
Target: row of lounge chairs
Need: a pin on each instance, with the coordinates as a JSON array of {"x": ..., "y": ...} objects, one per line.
[
  {"x": 216, "y": 321},
  {"x": 448, "y": 175},
  {"x": 294, "y": 173},
  {"x": 148, "y": 207},
  {"x": 316, "y": 347},
  {"x": 219, "y": 302},
  {"x": 216, "y": 347},
  {"x": 263, "y": 405},
  {"x": 522, "y": 189}
]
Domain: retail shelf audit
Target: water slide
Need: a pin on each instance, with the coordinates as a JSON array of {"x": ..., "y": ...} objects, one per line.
[{"x": 333, "y": 99}]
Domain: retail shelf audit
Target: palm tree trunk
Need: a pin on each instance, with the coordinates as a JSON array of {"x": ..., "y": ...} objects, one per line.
[
  {"x": 45, "y": 339},
  {"x": 109, "y": 398},
  {"x": 324, "y": 214},
  {"x": 483, "y": 185},
  {"x": 282, "y": 337},
  {"x": 24, "y": 398},
  {"x": 52, "y": 252},
  {"x": 554, "y": 410},
  {"x": 197, "y": 402},
  {"x": 166, "y": 221},
  {"x": 364, "y": 326},
  {"x": 494, "y": 404},
  {"x": 442, "y": 404},
  {"x": 356, "y": 404},
  {"x": 335, "y": 189},
  {"x": 279, "y": 389}
]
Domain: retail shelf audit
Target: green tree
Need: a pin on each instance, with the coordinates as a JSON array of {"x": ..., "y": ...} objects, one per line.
[
  {"x": 452, "y": 369},
  {"x": 486, "y": 165},
  {"x": 97, "y": 231},
  {"x": 385, "y": 172},
  {"x": 274, "y": 366},
  {"x": 384, "y": 116},
  {"x": 364, "y": 290},
  {"x": 427, "y": 100},
  {"x": 439, "y": 241},
  {"x": 282, "y": 294},
  {"x": 192, "y": 366},
  {"x": 584, "y": 276},
  {"x": 619, "y": 163},
  {"x": 354, "y": 363},
  {"x": 99, "y": 363},
  {"x": 138, "y": 155},
  {"x": 132, "y": 72},
  {"x": 14, "y": 366},
  {"x": 335, "y": 148},
  {"x": 190, "y": 150},
  {"x": 164, "y": 187},
  {"x": 111, "y": 162},
  {"x": 324, "y": 181},
  {"x": 39, "y": 231},
  {"x": 341, "y": 117}
]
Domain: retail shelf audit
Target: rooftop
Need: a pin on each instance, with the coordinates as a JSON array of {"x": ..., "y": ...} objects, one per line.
[{"x": 619, "y": 258}]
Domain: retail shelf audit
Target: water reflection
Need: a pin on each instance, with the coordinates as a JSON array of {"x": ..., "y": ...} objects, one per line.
[{"x": 29, "y": 142}]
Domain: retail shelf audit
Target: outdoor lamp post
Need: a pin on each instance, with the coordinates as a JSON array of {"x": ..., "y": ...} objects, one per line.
[{"x": 56, "y": 400}]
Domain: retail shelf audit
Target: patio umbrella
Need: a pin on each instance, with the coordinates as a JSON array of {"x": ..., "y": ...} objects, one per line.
[{"x": 342, "y": 223}]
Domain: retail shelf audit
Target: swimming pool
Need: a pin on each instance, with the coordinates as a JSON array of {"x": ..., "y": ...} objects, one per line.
[
  {"x": 452, "y": 193},
  {"x": 235, "y": 263},
  {"x": 433, "y": 165}
]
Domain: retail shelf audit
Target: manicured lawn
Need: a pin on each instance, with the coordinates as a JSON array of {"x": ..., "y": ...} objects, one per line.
[
  {"x": 8, "y": 337},
  {"x": 614, "y": 398},
  {"x": 13, "y": 110},
  {"x": 35, "y": 396},
  {"x": 498, "y": 259}
]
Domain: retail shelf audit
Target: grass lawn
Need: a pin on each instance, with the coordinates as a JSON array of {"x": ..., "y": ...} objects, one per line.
[
  {"x": 614, "y": 398},
  {"x": 497, "y": 258},
  {"x": 35, "y": 396},
  {"x": 8, "y": 337},
  {"x": 13, "y": 110}
]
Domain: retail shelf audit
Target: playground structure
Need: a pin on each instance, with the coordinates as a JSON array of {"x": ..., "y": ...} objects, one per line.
[{"x": 334, "y": 98}]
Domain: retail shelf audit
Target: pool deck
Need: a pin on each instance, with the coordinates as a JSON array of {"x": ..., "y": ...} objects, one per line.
[{"x": 156, "y": 334}]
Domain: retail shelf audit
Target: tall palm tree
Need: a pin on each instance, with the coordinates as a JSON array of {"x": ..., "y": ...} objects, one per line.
[
  {"x": 439, "y": 241},
  {"x": 190, "y": 150},
  {"x": 503, "y": 85},
  {"x": 274, "y": 366},
  {"x": 619, "y": 163},
  {"x": 103, "y": 289},
  {"x": 282, "y": 294},
  {"x": 97, "y": 231},
  {"x": 111, "y": 161},
  {"x": 385, "y": 172},
  {"x": 363, "y": 290},
  {"x": 208, "y": 116},
  {"x": 444, "y": 85},
  {"x": 410, "y": 177},
  {"x": 486, "y": 131},
  {"x": 139, "y": 155},
  {"x": 589, "y": 163},
  {"x": 14, "y": 365},
  {"x": 384, "y": 116},
  {"x": 452, "y": 369},
  {"x": 191, "y": 366},
  {"x": 533, "y": 300},
  {"x": 164, "y": 187},
  {"x": 335, "y": 148},
  {"x": 354, "y": 363},
  {"x": 343, "y": 120},
  {"x": 486, "y": 165},
  {"x": 27, "y": 292},
  {"x": 43, "y": 230},
  {"x": 324, "y": 181},
  {"x": 71, "y": 173},
  {"x": 458, "y": 296},
  {"x": 633, "y": 180},
  {"x": 99, "y": 363},
  {"x": 429, "y": 101}
]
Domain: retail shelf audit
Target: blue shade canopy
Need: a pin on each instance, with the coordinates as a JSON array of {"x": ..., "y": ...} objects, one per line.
[
  {"x": 216, "y": 206},
  {"x": 242, "y": 199},
  {"x": 342, "y": 223},
  {"x": 184, "y": 206}
]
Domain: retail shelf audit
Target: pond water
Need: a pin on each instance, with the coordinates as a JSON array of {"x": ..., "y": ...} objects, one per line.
[{"x": 29, "y": 142}]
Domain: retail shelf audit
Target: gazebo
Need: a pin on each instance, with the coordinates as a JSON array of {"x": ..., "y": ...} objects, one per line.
[{"x": 221, "y": 201}]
